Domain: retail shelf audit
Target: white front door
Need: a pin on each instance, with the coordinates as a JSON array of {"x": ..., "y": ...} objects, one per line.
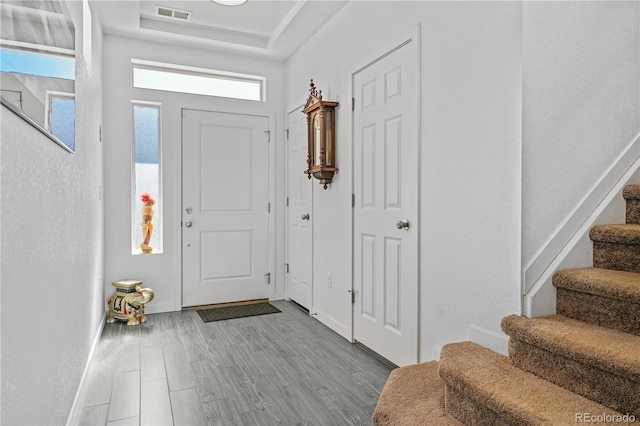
[
  {"x": 225, "y": 218},
  {"x": 386, "y": 159},
  {"x": 299, "y": 209}
]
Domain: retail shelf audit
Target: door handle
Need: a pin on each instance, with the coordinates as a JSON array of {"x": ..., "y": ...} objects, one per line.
[
  {"x": 305, "y": 216},
  {"x": 188, "y": 224},
  {"x": 403, "y": 224}
]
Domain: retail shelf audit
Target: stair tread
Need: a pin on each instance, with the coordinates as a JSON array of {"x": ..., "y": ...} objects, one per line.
[
  {"x": 489, "y": 379},
  {"x": 610, "y": 350},
  {"x": 610, "y": 283},
  {"x": 627, "y": 233},
  {"x": 413, "y": 395},
  {"x": 631, "y": 192}
]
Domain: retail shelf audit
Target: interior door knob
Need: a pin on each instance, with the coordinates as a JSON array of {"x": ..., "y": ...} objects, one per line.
[
  {"x": 188, "y": 224},
  {"x": 403, "y": 224},
  {"x": 305, "y": 216}
]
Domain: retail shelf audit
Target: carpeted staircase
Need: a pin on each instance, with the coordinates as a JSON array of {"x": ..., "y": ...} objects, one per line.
[{"x": 581, "y": 365}]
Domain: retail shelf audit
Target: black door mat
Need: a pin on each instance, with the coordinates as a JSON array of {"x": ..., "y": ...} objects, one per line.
[{"x": 238, "y": 311}]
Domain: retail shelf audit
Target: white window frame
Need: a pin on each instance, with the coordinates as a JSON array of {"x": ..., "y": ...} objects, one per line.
[
  {"x": 49, "y": 94},
  {"x": 199, "y": 72},
  {"x": 158, "y": 214},
  {"x": 53, "y": 94}
]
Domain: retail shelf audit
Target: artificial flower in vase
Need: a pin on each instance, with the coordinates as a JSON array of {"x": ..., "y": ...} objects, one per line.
[{"x": 147, "y": 226}]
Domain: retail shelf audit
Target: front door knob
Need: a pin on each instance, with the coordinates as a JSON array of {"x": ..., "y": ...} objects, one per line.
[
  {"x": 188, "y": 224},
  {"x": 403, "y": 224},
  {"x": 305, "y": 216}
]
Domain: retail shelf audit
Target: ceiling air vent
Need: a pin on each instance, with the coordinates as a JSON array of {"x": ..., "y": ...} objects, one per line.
[{"x": 167, "y": 12}]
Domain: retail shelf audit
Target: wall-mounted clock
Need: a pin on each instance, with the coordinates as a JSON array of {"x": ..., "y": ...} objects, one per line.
[{"x": 321, "y": 131}]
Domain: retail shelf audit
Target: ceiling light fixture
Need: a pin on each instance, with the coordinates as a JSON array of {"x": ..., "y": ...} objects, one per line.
[{"x": 230, "y": 2}]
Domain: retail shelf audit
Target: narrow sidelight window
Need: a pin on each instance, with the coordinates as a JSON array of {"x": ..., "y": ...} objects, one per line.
[{"x": 146, "y": 231}]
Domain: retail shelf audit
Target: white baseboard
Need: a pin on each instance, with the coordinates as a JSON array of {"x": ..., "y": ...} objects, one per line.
[
  {"x": 332, "y": 323},
  {"x": 96, "y": 340},
  {"x": 159, "y": 308},
  {"x": 612, "y": 178},
  {"x": 570, "y": 245},
  {"x": 280, "y": 296},
  {"x": 497, "y": 342},
  {"x": 436, "y": 352}
]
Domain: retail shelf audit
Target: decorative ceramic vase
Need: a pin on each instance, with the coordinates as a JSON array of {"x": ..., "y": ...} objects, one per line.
[
  {"x": 127, "y": 303},
  {"x": 147, "y": 226}
]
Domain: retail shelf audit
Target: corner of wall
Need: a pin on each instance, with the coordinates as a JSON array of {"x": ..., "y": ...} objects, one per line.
[
  {"x": 74, "y": 407},
  {"x": 332, "y": 323}
]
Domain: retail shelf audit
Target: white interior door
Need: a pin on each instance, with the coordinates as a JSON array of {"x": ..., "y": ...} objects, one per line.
[
  {"x": 299, "y": 209},
  {"x": 225, "y": 218},
  {"x": 386, "y": 208}
]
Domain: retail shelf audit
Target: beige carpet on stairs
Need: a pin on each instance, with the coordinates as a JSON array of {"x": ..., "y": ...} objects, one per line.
[
  {"x": 604, "y": 297},
  {"x": 497, "y": 393},
  {"x": 596, "y": 362},
  {"x": 412, "y": 396},
  {"x": 616, "y": 246},
  {"x": 579, "y": 366}
]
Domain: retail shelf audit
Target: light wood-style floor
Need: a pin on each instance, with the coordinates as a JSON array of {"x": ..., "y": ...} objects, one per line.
[{"x": 277, "y": 369}]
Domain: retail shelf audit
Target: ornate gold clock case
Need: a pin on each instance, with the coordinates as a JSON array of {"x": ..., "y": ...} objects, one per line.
[{"x": 321, "y": 131}]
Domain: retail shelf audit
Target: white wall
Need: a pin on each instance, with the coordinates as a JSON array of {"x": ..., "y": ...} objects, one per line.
[
  {"x": 471, "y": 142},
  {"x": 51, "y": 244},
  {"x": 581, "y": 92},
  {"x": 162, "y": 271}
]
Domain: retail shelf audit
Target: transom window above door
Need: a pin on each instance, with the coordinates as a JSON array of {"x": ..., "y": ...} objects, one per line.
[{"x": 198, "y": 81}]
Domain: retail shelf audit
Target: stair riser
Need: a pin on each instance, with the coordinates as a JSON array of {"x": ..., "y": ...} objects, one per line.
[
  {"x": 622, "y": 257},
  {"x": 618, "y": 393},
  {"x": 633, "y": 211},
  {"x": 603, "y": 311},
  {"x": 469, "y": 412}
]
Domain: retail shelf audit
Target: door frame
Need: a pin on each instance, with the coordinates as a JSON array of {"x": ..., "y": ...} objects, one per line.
[
  {"x": 270, "y": 196},
  {"x": 411, "y": 38},
  {"x": 298, "y": 108}
]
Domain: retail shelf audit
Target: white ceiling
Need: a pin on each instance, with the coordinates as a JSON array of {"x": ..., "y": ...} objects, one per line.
[{"x": 269, "y": 28}]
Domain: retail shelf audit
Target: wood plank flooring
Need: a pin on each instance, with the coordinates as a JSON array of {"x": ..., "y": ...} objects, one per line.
[{"x": 277, "y": 369}]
